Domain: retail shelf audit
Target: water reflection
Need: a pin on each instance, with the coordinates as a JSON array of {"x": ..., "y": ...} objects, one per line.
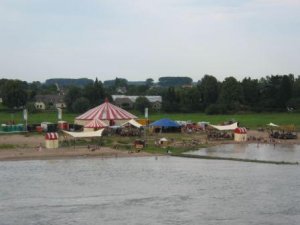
[{"x": 278, "y": 152}]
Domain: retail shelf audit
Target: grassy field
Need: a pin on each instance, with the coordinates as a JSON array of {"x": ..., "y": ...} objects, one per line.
[
  {"x": 17, "y": 117},
  {"x": 252, "y": 120}
]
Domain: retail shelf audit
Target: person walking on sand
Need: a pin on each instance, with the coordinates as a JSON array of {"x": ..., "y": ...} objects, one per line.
[{"x": 39, "y": 148}]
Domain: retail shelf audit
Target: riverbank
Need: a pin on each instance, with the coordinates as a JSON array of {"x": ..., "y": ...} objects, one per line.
[
  {"x": 28, "y": 147},
  {"x": 24, "y": 147}
]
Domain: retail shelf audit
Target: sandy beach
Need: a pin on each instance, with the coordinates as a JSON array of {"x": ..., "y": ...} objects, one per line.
[{"x": 26, "y": 147}]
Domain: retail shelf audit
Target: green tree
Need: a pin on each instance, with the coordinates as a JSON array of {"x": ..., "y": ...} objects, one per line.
[
  {"x": 149, "y": 82},
  {"x": 285, "y": 90},
  {"x": 174, "y": 81},
  {"x": 250, "y": 91},
  {"x": 170, "y": 100},
  {"x": 231, "y": 93},
  {"x": 72, "y": 95},
  {"x": 209, "y": 89},
  {"x": 141, "y": 103},
  {"x": 275, "y": 91},
  {"x": 189, "y": 99},
  {"x": 94, "y": 93},
  {"x": 80, "y": 105},
  {"x": 296, "y": 87},
  {"x": 14, "y": 93},
  {"x": 121, "y": 82}
]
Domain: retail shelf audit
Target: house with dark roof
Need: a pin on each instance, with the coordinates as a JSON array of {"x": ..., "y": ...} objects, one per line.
[{"x": 43, "y": 102}]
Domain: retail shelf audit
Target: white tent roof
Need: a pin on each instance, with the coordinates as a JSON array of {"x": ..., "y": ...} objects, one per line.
[
  {"x": 273, "y": 125},
  {"x": 133, "y": 123},
  {"x": 97, "y": 133},
  {"x": 225, "y": 127}
]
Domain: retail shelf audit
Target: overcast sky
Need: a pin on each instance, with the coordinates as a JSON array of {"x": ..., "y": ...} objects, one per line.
[{"x": 140, "y": 39}]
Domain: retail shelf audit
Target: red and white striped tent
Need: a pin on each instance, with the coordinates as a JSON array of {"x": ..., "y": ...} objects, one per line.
[
  {"x": 107, "y": 112},
  {"x": 96, "y": 123}
]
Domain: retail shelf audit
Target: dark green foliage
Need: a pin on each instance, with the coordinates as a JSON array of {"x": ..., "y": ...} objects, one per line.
[
  {"x": 190, "y": 100},
  {"x": 174, "y": 81},
  {"x": 272, "y": 93},
  {"x": 136, "y": 90},
  {"x": 80, "y": 105},
  {"x": 94, "y": 93},
  {"x": 294, "y": 104},
  {"x": 209, "y": 90},
  {"x": 141, "y": 103},
  {"x": 14, "y": 93},
  {"x": 71, "y": 96},
  {"x": 149, "y": 82},
  {"x": 118, "y": 82},
  {"x": 231, "y": 92},
  {"x": 250, "y": 91},
  {"x": 276, "y": 91},
  {"x": 170, "y": 100},
  {"x": 31, "y": 108},
  {"x": 62, "y": 82},
  {"x": 214, "y": 109},
  {"x": 296, "y": 87}
]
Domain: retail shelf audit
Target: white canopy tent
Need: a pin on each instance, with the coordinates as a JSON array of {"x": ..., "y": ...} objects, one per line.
[
  {"x": 88, "y": 134},
  {"x": 133, "y": 123},
  {"x": 225, "y": 127},
  {"x": 273, "y": 125}
]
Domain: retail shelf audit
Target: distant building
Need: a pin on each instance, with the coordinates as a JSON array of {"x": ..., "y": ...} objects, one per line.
[
  {"x": 49, "y": 101},
  {"x": 121, "y": 90},
  {"x": 124, "y": 102},
  {"x": 127, "y": 102},
  {"x": 40, "y": 105}
]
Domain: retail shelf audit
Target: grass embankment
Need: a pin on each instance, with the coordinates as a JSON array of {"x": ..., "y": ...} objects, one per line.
[
  {"x": 7, "y": 146},
  {"x": 250, "y": 120}
]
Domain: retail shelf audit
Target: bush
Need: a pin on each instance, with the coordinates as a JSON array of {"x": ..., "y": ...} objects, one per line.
[
  {"x": 216, "y": 109},
  {"x": 80, "y": 105},
  {"x": 31, "y": 107}
]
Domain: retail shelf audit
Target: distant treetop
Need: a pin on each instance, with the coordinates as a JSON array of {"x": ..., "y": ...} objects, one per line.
[{"x": 81, "y": 82}]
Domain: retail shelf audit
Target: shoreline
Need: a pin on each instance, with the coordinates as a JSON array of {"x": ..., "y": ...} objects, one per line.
[
  {"x": 66, "y": 153},
  {"x": 17, "y": 147}
]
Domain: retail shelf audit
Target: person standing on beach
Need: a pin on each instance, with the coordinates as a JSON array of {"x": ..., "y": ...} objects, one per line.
[{"x": 39, "y": 147}]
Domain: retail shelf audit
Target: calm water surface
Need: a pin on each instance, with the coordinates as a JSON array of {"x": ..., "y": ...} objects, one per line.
[
  {"x": 278, "y": 152},
  {"x": 163, "y": 190}
]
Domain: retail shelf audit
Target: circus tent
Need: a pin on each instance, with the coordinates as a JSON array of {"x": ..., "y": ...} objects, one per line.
[
  {"x": 95, "y": 124},
  {"x": 106, "y": 112}
]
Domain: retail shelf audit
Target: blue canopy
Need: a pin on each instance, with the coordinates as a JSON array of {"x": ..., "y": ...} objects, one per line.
[{"x": 164, "y": 123}]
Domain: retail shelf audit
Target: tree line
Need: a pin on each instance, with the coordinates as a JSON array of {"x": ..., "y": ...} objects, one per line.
[{"x": 271, "y": 93}]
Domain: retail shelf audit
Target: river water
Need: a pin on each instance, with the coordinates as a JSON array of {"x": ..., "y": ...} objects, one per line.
[
  {"x": 271, "y": 152},
  {"x": 148, "y": 190}
]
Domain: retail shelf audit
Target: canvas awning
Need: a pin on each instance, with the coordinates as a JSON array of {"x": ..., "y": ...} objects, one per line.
[
  {"x": 133, "y": 123},
  {"x": 225, "y": 127},
  {"x": 89, "y": 134}
]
